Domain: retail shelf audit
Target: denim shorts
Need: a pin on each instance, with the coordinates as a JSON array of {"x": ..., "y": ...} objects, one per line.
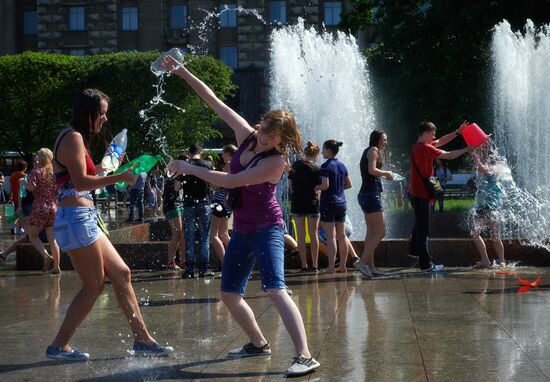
[
  {"x": 335, "y": 214},
  {"x": 266, "y": 246},
  {"x": 370, "y": 202},
  {"x": 75, "y": 227}
]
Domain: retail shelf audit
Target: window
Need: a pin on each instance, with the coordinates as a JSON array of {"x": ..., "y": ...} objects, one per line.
[
  {"x": 332, "y": 12},
  {"x": 77, "y": 52},
  {"x": 178, "y": 16},
  {"x": 29, "y": 23},
  {"x": 76, "y": 18},
  {"x": 228, "y": 15},
  {"x": 129, "y": 18},
  {"x": 228, "y": 54},
  {"x": 277, "y": 12}
]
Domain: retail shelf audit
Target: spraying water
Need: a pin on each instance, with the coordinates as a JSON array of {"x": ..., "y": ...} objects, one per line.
[
  {"x": 522, "y": 124},
  {"x": 323, "y": 80}
]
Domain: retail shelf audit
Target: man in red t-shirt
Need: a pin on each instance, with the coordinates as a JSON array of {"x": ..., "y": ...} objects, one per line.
[
  {"x": 424, "y": 152},
  {"x": 14, "y": 181}
]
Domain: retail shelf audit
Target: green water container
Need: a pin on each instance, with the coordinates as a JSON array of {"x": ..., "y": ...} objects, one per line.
[{"x": 143, "y": 163}]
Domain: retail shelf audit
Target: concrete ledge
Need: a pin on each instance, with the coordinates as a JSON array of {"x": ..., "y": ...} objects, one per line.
[
  {"x": 390, "y": 253},
  {"x": 144, "y": 255}
]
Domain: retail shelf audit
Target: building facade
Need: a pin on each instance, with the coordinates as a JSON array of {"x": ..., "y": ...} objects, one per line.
[{"x": 237, "y": 32}]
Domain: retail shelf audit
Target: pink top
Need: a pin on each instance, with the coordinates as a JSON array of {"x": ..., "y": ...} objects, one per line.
[{"x": 259, "y": 208}]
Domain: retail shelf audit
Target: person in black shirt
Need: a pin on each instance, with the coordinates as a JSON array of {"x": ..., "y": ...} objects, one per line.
[
  {"x": 304, "y": 202},
  {"x": 196, "y": 215}
]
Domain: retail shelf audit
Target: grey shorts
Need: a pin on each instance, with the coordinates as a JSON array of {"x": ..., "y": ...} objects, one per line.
[{"x": 75, "y": 227}]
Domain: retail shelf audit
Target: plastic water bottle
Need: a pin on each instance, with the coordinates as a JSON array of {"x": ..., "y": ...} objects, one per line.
[
  {"x": 22, "y": 190},
  {"x": 175, "y": 53},
  {"x": 397, "y": 177},
  {"x": 141, "y": 164},
  {"x": 113, "y": 155}
]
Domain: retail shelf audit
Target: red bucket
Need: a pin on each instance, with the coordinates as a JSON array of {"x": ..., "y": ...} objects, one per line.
[{"x": 474, "y": 136}]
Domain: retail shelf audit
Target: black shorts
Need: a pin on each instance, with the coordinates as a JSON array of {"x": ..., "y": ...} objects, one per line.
[{"x": 220, "y": 211}]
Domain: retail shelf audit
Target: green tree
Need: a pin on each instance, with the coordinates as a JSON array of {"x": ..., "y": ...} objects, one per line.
[
  {"x": 37, "y": 92},
  {"x": 432, "y": 59}
]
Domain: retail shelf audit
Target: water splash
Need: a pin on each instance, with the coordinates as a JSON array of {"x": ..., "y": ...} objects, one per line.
[
  {"x": 520, "y": 214},
  {"x": 323, "y": 80},
  {"x": 521, "y": 98}
]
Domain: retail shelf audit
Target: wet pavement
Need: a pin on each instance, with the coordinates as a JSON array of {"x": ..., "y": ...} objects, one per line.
[{"x": 461, "y": 325}]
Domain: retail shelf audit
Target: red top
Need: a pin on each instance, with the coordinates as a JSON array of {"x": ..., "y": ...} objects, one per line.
[
  {"x": 423, "y": 155},
  {"x": 14, "y": 183}
]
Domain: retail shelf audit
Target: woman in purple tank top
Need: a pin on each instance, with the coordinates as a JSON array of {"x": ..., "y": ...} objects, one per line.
[{"x": 256, "y": 168}]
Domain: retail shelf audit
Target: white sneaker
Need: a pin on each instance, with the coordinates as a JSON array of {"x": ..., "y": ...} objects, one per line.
[
  {"x": 301, "y": 365},
  {"x": 363, "y": 269},
  {"x": 434, "y": 268}
]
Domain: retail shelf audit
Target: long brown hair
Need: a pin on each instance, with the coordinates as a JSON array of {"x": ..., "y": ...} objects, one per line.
[
  {"x": 284, "y": 124},
  {"x": 86, "y": 108}
]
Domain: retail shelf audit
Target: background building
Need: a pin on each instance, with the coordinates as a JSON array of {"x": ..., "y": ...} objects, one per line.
[{"x": 240, "y": 39}]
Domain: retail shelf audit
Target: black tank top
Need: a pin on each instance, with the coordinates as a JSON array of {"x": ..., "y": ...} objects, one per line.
[{"x": 369, "y": 183}]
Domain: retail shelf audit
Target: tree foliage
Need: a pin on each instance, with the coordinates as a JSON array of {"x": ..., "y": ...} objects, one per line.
[
  {"x": 37, "y": 92},
  {"x": 432, "y": 59}
]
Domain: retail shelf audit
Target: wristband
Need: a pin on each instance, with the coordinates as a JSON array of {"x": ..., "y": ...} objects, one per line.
[{"x": 457, "y": 133}]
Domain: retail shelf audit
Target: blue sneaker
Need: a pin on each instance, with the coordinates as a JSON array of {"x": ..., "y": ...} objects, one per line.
[
  {"x": 53, "y": 352},
  {"x": 154, "y": 350}
]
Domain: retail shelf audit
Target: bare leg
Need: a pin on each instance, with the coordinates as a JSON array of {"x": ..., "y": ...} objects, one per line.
[
  {"x": 376, "y": 230},
  {"x": 479, "y": 243},
  {"x": 330, "y": 234},
  {"x": 292, "y": 319},
  {"x": 88, "y": 264},
  {"x": 342, "y": 246},
  {"x": 313, "y": 228},
  {"x": 497, "y": 242},
  {"x": 119, "y": 274},
  {"x": 54, "y": 249},
  {"x": 13, "y": 246},
  {"x": 33, "y": 232},
  {"x": 176, "y": 228},
  {"x": 244, "y": 316},
  {"x": 301, "y": 236},
  {"x": 215, "y": 240},
  {"x": 223, "y": 232}
]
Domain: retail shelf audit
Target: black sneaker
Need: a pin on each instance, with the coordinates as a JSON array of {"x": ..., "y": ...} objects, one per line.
[
  {"x": 187, "y": 274},
  {"x": 304, "y": 270},
  {"x": 313, "y": 270},
  {"x": 250, "y": 350}
]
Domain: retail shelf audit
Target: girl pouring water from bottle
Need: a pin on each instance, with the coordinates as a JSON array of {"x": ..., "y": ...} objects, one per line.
[{"x": 256, "y": 168}]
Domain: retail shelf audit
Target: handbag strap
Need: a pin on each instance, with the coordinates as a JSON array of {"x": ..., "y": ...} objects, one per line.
[{"x": 419, "y": 173}]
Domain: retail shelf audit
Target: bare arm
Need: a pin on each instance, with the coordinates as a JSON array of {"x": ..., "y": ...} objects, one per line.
[
  {"x": 72, "y": 152},
  {"x": 449, "y": 137},
  {"x": 372, "y": 156},
  {"x": 347, "y": 183},
  {"x": 449, "y": 155},
  {"x": 239, "y": 125},
  {"x": 324, "y": 184},
  {"x": 268, "y": 170}
]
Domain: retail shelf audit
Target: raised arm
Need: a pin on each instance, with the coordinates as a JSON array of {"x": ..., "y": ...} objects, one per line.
[
  {"x": 268, "y": 170},
  {"x": 449, "y": 155},
  {"x": 449, "y": 137},
  {"x": 73, "y": 153},
  {"x": 239, "y": 125}
]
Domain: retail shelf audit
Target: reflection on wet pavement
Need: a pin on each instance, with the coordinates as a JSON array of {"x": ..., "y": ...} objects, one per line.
[{"x": 459, "y": 325}]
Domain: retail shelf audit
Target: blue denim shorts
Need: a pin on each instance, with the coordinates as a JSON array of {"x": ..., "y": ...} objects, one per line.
[
  {"x": 266, "y": 246},
  {"x": 370, "y": 202},
  {"x": 75, "y": 227}
]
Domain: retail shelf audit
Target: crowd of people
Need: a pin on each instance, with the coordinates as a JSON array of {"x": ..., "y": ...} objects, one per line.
[{"x": 197, "y": 200}]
